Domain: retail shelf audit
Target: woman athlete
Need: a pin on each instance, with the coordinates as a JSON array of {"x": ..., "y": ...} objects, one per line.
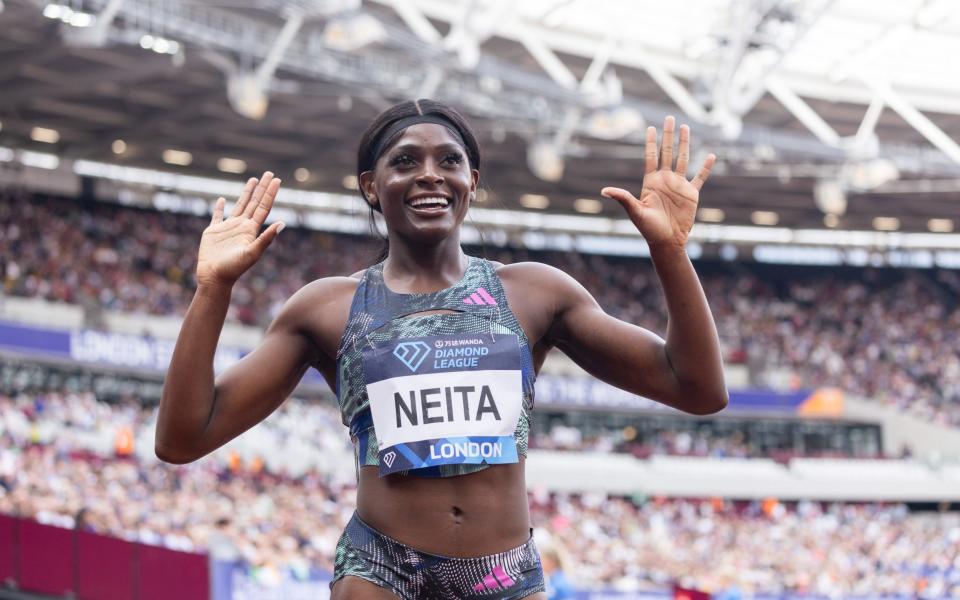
[{"x": 433, "y": 354}]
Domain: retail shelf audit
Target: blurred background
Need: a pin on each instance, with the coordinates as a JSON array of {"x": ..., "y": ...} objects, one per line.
[{"x": 825, "y": 242}]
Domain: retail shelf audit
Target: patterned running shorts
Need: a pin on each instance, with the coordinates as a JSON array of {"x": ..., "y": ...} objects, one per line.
[{"x": 410, "y": 574}]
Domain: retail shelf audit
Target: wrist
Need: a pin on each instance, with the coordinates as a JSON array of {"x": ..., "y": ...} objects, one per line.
[
  {"x": 214, "y": 290},
  {"x": 667, "y": 249}
]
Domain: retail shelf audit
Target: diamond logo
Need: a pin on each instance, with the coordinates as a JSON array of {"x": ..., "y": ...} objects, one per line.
[
  {"x": 412, "y": 354},
  {"x": 389, "y": 457}
]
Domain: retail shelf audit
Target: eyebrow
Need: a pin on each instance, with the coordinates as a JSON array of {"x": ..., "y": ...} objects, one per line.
[{"x": 445, "y": 147}]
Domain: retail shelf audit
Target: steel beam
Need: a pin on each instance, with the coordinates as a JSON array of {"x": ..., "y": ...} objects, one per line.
[
  {"x": 802, "y": 111},
  {"x": 415, "y": 20},
  {"x": 869, "y": 123},
  {"x": 600, "y": 61},
  {"x": 104, "y": 19},
  {"x": 917, "y": 120},
  {"x": 745, "y": 16},
  {"x": 545, "y": 57},
  {"x": 746, "y": 98},
  {"x": 269, "y": 65},
  {"x": 675, "y": 90}
]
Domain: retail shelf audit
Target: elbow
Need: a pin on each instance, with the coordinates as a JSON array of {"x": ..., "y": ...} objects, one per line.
[
  {"x": 173, "y": 456},
  {"x": 710, "y": 404},
  {"x": 701, "y": 402}
]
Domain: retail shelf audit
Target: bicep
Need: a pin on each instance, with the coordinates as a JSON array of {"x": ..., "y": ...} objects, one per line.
[
  {"x": 251, "y": 389},
  {"x": 620, "y": 353}
]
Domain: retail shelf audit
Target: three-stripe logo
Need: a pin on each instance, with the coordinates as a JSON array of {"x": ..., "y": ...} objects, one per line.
[
  {"x": 494, "y": 580},
  {"x": 480, "y": 297}
]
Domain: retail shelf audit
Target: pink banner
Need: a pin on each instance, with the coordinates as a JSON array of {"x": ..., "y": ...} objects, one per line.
[
  {"x": 104, "y": 567},
  {"x": 165, "y": 574},
  {"x": 64, "y": 562},
  {"x": 46, "y": 558},
  {"x": 8, "y": 540}
]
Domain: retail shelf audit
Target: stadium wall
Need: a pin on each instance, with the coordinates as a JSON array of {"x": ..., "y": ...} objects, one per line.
[
  {"x": 57, "y": 562},
  {"x": 901, "y": 430}
]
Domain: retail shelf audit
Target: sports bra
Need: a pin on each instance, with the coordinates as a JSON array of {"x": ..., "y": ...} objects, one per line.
[{"x": 440, "y": 394}]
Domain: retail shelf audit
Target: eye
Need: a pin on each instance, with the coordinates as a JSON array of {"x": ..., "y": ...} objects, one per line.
[
  {"x": 401, "y": 160},
  {"x": 454, "y": 158}
]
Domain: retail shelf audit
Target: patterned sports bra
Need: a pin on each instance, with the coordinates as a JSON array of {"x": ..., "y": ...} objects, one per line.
[{"x": 440, "y": 394}]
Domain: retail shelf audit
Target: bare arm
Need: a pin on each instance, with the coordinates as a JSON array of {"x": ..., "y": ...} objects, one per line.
[
  {"x": 199, "y": 413},
  {"x": 686, "y": 370},
  {"x": 192, "y": 419}
]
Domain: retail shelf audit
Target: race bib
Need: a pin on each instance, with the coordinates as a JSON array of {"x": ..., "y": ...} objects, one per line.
[{"x": 442, "y": 400}]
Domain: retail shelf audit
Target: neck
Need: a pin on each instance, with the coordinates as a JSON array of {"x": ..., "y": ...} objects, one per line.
[{"x": 427, "y": 266}]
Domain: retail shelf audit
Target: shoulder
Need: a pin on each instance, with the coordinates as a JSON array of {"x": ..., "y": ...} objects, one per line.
[
  {"x": 318, "y": 312},
  {"x": 526, "y": 269},
  {"x": 534, "y": 276},
  {"x": 327, "y": 288},
  {"x": 544, "y": 286},
  {"x": 319, "y": 296}
]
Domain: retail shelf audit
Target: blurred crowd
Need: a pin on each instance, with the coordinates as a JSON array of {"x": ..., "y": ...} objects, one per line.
[
  {"x": 285, "y": 523},
  {"x": 95, "y": 414},
  {"x": 109, "y": 257},
  {"x": 736, "y": 549},
  {"x": 691, "y": 442},
  {"x": 892, "y": 335}
]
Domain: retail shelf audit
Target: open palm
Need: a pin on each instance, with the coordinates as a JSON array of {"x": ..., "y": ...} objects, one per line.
[
  {"x": 667, "y": 206},
  {"x": 229, "y": 247}
]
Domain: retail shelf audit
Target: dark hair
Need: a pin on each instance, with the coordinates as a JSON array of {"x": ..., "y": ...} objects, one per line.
[{"x": 409, "y": 108}]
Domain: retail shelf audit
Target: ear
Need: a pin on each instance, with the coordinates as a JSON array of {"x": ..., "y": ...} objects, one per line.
[
  {"x": 368, "y": 190},
  {"x": 474, "y": 181}
]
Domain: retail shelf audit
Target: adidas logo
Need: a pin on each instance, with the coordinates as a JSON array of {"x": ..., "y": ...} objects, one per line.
[
  {"x": 481, "y": 297},
  {"x": 497, "y": 579}
]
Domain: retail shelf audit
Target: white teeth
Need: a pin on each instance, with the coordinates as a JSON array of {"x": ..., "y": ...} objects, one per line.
[{"x": 435, "y": 200}]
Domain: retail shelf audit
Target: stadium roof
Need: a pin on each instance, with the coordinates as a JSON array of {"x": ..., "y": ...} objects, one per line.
[{"x": 815, "y": 106}]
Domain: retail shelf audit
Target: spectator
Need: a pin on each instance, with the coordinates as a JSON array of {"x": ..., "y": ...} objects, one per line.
[{"x": 859, "y": 330}]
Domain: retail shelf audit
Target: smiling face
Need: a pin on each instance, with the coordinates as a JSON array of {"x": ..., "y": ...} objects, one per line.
[{"x": 423, "y": 184}]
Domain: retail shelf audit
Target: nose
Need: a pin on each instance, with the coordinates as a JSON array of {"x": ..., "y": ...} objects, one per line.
[{"x": 430, "y": 174}]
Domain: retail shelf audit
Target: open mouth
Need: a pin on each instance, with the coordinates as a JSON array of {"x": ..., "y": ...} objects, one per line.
[{"x": 429, "y": 204}]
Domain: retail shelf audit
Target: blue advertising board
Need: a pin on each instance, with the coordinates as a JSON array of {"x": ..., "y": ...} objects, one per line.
[{"x": 560, "y": 391}]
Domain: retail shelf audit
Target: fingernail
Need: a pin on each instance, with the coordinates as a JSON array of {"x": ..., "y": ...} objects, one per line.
[{"x": 279, "y": 229}]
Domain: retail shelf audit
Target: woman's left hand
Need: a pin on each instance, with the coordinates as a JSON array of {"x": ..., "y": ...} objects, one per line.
[{"x": 667, "y": 206}]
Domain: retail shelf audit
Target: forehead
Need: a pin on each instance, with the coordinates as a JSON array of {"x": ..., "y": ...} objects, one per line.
[{"x": 427, "y": 135}]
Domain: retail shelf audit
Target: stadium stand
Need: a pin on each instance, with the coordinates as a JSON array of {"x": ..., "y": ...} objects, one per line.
[{"x": 790, "y": 327}]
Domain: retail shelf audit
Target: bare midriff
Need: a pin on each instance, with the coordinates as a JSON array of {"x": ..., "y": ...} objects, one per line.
[{"x": 464, "y": 516}]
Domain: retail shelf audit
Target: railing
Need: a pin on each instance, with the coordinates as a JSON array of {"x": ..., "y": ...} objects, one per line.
[{"x": 78, "y": 564}]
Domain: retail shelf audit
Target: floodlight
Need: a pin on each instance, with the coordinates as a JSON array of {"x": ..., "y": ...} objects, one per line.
[
  {"x": 246, "y": 96},
  {"x": 830, "y": 196},
  {"x": 614, "y": 123},
  {"x": 353, "y": 32},
  {"x": 545, "y": 160}
]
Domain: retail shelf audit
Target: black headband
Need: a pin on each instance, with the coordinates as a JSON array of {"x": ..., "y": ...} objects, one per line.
[{"x": 388, "y": 134}]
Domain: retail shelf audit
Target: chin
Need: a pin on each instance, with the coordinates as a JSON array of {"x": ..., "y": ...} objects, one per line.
[{"x": 431, "y": 233}]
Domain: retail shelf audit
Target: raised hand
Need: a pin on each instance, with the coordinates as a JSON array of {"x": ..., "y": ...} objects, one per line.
[
  {"x": 229, "y": 247},
  {"x": 667, "y": 206}
]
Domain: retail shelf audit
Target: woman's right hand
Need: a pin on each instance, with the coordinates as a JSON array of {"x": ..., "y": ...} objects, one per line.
[{"x": 229, "y": 247}]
